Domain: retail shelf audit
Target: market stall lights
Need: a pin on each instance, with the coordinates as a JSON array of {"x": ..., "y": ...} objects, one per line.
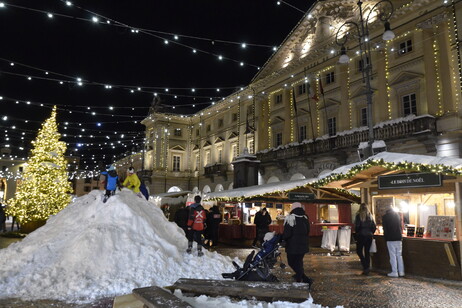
[
  {"x": 68, "y": 3},
  {"x": 242, "y": 63},
  {"x": 50, "y": 15},
  {"x": 194, "y": 50},
  {"x": 220, "y": 57},
  {"x": 12, "y": 64},
  {"x": 275, "y": 48},
  {"x": 176, "y": 37},
  {"x": 243, "y": 45},
  {"x": 2, "y": 4},
  {"x": 166, "y": 42}
]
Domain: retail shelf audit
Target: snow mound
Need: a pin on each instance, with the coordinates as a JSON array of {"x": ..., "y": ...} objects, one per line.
[{"x": 93, "y": 249}]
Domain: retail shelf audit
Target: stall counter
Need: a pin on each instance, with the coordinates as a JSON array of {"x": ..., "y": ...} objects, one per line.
[{"x": 434, "y": 258}]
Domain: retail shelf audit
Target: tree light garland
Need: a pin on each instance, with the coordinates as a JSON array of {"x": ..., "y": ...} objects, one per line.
[{"x": 45, "y": 189}]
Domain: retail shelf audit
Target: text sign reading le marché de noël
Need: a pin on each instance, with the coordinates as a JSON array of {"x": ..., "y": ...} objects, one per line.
[
  {"x": 411, "y": 180},
  {"x": 293, "y": 196}
]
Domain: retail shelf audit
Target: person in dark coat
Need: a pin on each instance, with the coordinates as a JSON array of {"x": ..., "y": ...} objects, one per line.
[
  {"x": 393, "y": 234},
  {"x": 2, "y": 218},
  {"x": 213, "y": 224},
  {"x": 181, "y": 219},
  {"x": 295, "y": 236},
  {"x": 262, "y": 221},
  {"x": 364, "y": 230}
]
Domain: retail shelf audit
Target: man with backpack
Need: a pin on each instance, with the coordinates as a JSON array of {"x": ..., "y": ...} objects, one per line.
[{"x": 196, "y": 225}]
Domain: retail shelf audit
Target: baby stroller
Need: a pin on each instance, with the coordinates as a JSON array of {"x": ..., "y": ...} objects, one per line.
[{"x": 258, "y": 267}]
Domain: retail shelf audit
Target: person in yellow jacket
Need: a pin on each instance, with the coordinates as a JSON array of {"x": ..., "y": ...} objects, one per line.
[{"x": 133, "y": 182}]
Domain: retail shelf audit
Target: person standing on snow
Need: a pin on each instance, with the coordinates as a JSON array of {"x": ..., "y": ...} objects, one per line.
[
  {"x": 196, "y": 225},
  {"x": 296, "y": 231},
  {"x": 133, "y": 182},
  {"x": 111, "y": 182}
]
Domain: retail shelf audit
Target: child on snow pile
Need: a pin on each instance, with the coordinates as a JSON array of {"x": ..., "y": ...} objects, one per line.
[
  {"x": 111, "y": 182},
  {"x": 196, "y": 226},
  {"x": 133, "y": 182}
]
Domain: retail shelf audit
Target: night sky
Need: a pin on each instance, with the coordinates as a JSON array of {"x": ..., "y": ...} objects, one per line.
[{"x": 115, "y": 59}]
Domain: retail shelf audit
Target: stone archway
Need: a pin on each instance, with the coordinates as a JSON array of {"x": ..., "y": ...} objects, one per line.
[
  {"x": 297, "y": 176},
  {"x": 273, "y": 179},
  {"x": 174, "y": 189}
]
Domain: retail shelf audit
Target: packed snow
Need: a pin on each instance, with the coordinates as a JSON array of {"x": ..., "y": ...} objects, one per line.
[
  {"x": 225, "y": 302},
  {"x": 93, "y": 249}
]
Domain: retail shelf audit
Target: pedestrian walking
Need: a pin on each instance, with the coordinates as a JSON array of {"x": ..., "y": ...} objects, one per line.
[
  {"x": 393, "y": 233},
  {"x": 111, "y": 182},
  {"x": 196, "y": 225},
  {"x": 132, "y": 182},
  {"x": 181, "y": 218},
  {"x": 262, "y": 221},
  {"x": 364, "y": 233},
  {"x": 295, "y": 236}
]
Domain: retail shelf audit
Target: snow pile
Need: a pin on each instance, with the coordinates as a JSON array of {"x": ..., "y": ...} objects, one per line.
[
  {"x": 225, "y": 302},
  {"x": 93, "y": 249}
]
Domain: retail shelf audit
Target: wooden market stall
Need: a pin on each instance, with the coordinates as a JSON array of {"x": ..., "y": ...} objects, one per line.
[
  {"x": 426, "y": 191},
  {"x": 323, "y": 206}
]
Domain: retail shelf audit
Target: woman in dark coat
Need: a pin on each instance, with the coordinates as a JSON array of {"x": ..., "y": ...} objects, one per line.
[
  {"x": 364, "y": 229},
  {"x": 296, "y": 231}
]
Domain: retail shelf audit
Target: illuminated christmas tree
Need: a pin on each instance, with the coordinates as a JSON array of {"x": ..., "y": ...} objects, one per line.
[{"x": 45, "y": 189}]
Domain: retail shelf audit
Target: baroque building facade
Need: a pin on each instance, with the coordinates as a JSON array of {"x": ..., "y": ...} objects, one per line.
[{"x": 304, "y": 113}]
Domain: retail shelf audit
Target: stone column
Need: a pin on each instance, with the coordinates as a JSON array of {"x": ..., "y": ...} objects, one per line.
[
  {"x": 430, "y": 73},
  {"x": 445, "y": 69}
]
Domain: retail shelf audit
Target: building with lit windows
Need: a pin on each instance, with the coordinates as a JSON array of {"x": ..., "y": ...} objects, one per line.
[{"x": 304, "y": 113}]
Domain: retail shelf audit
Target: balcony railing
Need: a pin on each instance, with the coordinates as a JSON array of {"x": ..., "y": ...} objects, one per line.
[
  {"x": 216, "y": 170},
  {"x": 392, "y": 131}
]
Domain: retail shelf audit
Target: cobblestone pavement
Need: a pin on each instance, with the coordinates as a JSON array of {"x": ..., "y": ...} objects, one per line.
[{"x": 337, "y": 282}]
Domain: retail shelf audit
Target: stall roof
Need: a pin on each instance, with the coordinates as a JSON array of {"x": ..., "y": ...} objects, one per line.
[
  {"x": 239, "y": 194},
  {"x": 388, "y": 163},
  {"x": 172, "y": 194}
]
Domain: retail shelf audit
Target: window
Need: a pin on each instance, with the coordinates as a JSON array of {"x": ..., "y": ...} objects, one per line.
[
  {"x": 21, "y": 169},
  {"x": 87, "y": 180},
  {"x": 207, "y": 158},
  {"x": 176, "y": 163},
  {"x": 220, "y": 122},
  {"x": 278, "y": 139},
  {"x": 332, "y": 126},
  {"x": 330, "y": 77},
  {"x": 234, "y": 150},
  {"x": 220, "y": 155},
  {"x": 197, "y": 132},
  {"x": 302, "y": 89},
  {"x": 86, "y": 188},
  {"x": 278, "y": 98},
  {"x": 251, "y": 146},
  {"x": 361, "y": 65},
  {"x": 177, "y": 132},
  {"x": 405, "y": 47},
  {"x": 301, "y": 133},
  {"x": 409, "y": 104},
  {"x": 363, "y": 116},
  {"x": 4, "y": 168},
  {"x": 208, "y": 127},
  {"x": 234, "y": 117}
]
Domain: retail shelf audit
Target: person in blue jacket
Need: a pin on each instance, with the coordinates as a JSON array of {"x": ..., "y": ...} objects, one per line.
[{"x": 111, "y": 182}]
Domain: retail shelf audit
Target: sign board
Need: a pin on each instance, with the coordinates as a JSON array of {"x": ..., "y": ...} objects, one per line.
[
  {"x": 295, "y": 196},
  {"x": 411, "y": 180},
  {"x": 441, "y": 227}
]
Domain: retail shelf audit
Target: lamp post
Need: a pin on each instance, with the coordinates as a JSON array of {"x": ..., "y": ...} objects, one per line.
[{"x": 383, "y": 10}]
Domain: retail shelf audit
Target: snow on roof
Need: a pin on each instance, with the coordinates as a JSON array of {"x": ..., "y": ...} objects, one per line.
[
  {"x": 257, "y": 190},
  {"x": 93, "y": 249},
  {"x": 399, "y": 158}
]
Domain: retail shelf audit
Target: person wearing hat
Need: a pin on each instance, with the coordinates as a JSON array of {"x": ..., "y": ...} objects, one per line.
[
  {"x": 295, "y": 235},
  {"x": 262, "y": 221},
  {"x": 111, "y": 182},
  {"x": 133, "y": 182}
]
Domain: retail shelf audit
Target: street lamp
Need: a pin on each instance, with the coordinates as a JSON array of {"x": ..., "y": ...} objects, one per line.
[{"x": 383, "y": 10}]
